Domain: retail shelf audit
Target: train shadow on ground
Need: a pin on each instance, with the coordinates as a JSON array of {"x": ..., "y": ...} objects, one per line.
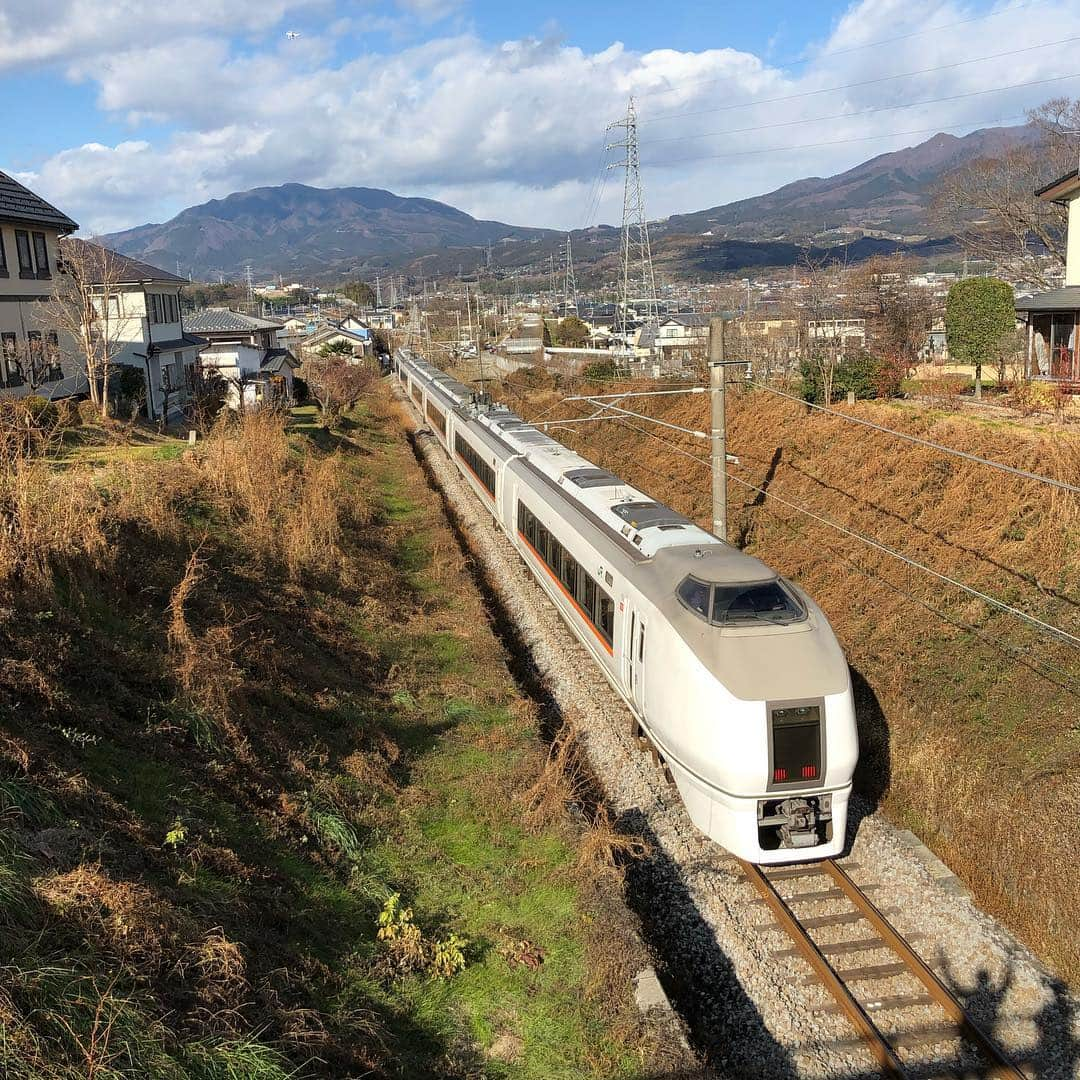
[
  {"x": 1054, "y": 1053},
  {"x": 873, "y": 773},
  {"x": 725, "y": 1026}
]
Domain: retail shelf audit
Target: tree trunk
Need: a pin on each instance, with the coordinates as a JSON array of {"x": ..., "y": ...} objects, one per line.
[{"x": 978, "y": 382}]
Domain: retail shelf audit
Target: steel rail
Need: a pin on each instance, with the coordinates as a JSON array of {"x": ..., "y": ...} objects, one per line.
[
  {"x": 1002, "y": 1066},
  {"x": 875, "y": 1041}
]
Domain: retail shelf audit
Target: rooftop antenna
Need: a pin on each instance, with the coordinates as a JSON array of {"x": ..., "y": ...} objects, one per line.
[{"x": 637, "y": 265}]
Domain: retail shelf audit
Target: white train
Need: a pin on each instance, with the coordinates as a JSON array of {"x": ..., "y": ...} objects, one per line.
[{"x": 733, "y": 673}]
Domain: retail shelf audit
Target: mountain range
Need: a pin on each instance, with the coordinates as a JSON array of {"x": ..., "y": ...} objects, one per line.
[{"x": 299, "y": 231}]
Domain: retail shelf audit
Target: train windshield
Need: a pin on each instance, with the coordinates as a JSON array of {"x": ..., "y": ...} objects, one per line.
[{"x": 742, "y": 604}]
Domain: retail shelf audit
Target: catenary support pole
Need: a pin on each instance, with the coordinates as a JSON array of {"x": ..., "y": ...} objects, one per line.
[{"x": 718, "y": 432}]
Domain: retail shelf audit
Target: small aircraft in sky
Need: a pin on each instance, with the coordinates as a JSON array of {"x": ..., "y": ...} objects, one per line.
[{"x": 292, "y": 35}]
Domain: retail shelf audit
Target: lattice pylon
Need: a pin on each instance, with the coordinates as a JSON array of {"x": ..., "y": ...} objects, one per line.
[
  {"x": 637, "y": 265},
  {"x": 570, "y": 281}
]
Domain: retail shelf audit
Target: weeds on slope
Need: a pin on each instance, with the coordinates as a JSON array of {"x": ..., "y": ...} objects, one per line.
[{"x": 248, "y": 695}]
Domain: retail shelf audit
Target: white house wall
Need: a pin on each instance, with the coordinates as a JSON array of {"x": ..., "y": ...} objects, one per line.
[{"x": 1072, "y": 245}]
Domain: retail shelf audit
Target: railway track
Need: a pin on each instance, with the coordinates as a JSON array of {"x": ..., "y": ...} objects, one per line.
[{"x": 786, "y": 889}]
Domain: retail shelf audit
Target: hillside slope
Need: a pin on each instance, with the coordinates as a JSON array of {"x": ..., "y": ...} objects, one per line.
[
  {"x": 251, "y": 714},
  {"x": 300, "y": 230},
  {"x": 968, "y": 717},
  {"x": 890, "y": 192}
]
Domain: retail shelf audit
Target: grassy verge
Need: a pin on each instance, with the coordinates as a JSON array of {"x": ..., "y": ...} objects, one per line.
[{"x": 268, "y": 792}]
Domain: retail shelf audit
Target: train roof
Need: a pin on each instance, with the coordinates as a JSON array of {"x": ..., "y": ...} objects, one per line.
[
  {"x": 645, "y": 527},
  {"x": 647, "y": 524}
]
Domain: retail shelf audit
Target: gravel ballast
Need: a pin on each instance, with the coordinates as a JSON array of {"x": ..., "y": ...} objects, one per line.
[{"x": 752, "y": 1013}]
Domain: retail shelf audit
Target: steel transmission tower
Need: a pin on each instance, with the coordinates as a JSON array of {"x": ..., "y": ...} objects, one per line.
[
  {"x": 637, "y": 266},
  {"x": 570, "y": 283}
]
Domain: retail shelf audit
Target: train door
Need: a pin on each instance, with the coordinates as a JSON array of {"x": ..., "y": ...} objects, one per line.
[{"x": 635, "y": 661}]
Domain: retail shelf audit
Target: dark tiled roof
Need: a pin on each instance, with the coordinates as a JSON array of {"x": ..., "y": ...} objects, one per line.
[
  {"x": 277, "y": 360},
  {"x": 1073, "y": 175},
  {"x": 688, "y": 318},
  {"x": 18, "y": 203},
  {"x": 225, "y": 321},
  {"x": 1066, "y": 299},
  {"x": 188, "y": 341},
  {"x": 121, "y": 269}
]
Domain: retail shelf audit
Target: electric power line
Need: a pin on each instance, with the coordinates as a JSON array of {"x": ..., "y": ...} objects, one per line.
[
  {"x": 834, "y": 142},
  {"x": 990, "y": 463},
  {"x": 792, "y": 61},
  {"x": 864, "y": 82},
  {"x": 862, "y": 112}
]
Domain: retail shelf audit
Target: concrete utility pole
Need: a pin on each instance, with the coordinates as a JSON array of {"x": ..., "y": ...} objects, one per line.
[{"x": 718, "y": 432}]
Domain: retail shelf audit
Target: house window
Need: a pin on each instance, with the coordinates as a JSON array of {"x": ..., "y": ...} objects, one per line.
[
  {"x": 26, "y": 258},
  {"x": 3, "y": 256},
  {"x": 172, "y": 309},
  {"x": 9, "y": 352},
  {"x": 41, "y": 254},
  {"x": 36, "y": 349}
]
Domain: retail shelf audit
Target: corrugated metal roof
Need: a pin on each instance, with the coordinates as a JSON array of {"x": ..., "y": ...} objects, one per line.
[{"x": 18, "y": 203}]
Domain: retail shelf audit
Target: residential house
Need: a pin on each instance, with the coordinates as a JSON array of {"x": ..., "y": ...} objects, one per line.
[
  {"x": 676, "y": 340},
  {"x": 140, "y": 306},
  {"x": 1053, "y": 318},
  {"x": 349, "y": 331},
  {"x": 837, "y": 329},
  {"x": 245, "y": 351},
  {"x": 33, "y": 360}
]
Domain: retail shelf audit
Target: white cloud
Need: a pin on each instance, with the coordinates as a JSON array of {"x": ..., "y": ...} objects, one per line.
[
  {"x": 62, "y": 31},
  {"x": 514, "y": 130}
]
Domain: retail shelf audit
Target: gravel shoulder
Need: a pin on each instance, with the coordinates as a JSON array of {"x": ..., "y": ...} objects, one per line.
[{"x": 750, "y": 1011}]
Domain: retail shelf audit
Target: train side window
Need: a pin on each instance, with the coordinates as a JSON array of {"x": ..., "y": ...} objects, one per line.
[
  {"x": 641, "y": 642},
  {"x": 607, "y": 618},
  {"x": 542, "y": 538},
  {"x": 522, "y": 516},
  {"x": 588, "y": 595},
  {"x": 570, "y": 573},
  {"x": 555, "y": 557}
]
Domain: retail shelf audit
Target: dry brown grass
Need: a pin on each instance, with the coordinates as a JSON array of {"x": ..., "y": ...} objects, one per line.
[
  {"x": 561, "y": 783},
  {"x": 969, "y": 716},
  {"x": 123, "y": 918},
  {"x": 604, "y": 851},
  {"x": 47, "y": 517}
]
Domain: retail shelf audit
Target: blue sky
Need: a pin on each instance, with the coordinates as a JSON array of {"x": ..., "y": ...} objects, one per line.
[{"x": 124, "y": 112}]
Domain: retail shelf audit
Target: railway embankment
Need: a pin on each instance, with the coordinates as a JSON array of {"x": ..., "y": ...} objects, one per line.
[
  {"x": 752, "y": 1009},
  {"x": 968, "y": 715},
  {"x": 266, "y": 782}
]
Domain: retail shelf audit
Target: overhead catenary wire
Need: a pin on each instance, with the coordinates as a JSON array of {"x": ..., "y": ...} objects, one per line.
[
  {"x": 804, "y": 59},
  {"x": 1047, "y": 628},
  {"x": 862, "y": 112},
  {"x": 862, "y": 82},
  {"x": 1018, "y": 651},
  {"x": 1024, "y": 474},
  {"x": 1044, "y": 627}
]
